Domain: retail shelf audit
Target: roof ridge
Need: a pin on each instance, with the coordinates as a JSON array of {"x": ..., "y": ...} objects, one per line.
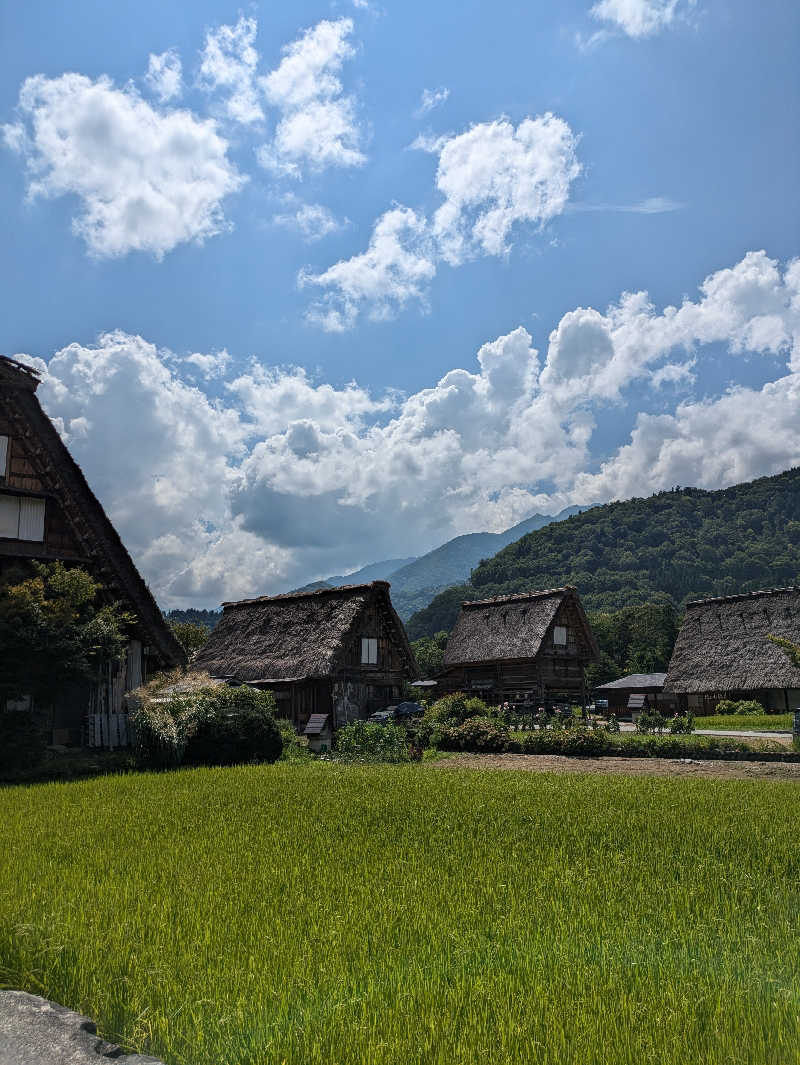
[
  {"x": 318, "y": 592},
  {"x": 519, "y": 596},
  {"x": 794, "y": 589},
  {"x": 23, "y": 375}
]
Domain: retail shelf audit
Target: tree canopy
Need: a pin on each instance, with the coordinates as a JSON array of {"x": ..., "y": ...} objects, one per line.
[
  {"x": 55, "y": 629},
  {"x": 190, "y": 635}
]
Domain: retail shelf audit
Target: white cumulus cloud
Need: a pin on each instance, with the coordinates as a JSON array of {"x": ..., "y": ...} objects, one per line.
[
  {"x": 318, "y": 126},
  {"x": 749, "y": 306},
  {"x": 493, "y": 178},
  {"x": 147, "y": 180},
  {"x": 228, "y": 62},
  {"x": 395, "y": 270},
  {"x": 286, "y": 478}
]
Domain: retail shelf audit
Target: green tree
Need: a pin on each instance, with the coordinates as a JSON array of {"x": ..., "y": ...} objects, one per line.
[
  {"x": 429, "y": 653},
  {"x": 190, "y": 636},
  {"x": 55, "y": 629}
]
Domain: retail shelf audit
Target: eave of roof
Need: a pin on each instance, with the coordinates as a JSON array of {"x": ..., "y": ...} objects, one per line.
[{"x": 635, "y": 680}]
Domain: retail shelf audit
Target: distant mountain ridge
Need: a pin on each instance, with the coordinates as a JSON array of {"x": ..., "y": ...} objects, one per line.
[
  {"x": 415, "y": 581},
  {"x": 682, "y": 544},
  {"x": 375, "y": 571}
]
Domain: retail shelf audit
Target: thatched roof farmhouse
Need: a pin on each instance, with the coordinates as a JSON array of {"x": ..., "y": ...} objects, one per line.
[
  {"x": 48, "y": 512},
  {"x": 529, "y": 647},
  {"x": 339, "y": 651},
  {"x": 722, "y": 650}
]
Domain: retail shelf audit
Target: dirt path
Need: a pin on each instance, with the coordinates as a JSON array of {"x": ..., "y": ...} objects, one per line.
[{"x": 673, "y": 767}]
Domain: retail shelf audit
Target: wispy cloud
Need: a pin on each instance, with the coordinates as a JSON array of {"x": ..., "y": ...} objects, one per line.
[
  {"x": 637, "y": 19},
  {"x": 430, "y": 99},
  {"x": 312, "y": 220},
  {"x": 652, "y": 205}
]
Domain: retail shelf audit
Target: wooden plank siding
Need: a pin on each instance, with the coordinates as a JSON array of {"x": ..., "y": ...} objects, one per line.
[
  {"x": 306, "y": 648},
  {"x": 549, "y": 673}
]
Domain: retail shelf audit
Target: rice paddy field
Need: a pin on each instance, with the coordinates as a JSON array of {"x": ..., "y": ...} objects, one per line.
[
  {"x": 318, "y": 913},
  {"x": 746, "y": 722}
]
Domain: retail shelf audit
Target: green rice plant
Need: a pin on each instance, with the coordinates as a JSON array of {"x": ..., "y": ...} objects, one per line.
[
  {"x": 692, "y": 746},
  {"x": 747, "y": 723},
  {"x": 326, "y": 914}
]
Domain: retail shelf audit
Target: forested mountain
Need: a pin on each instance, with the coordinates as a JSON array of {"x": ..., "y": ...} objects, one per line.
[
  {"x": 209, "y": 618},
  {"x": 683, "y": 544}
]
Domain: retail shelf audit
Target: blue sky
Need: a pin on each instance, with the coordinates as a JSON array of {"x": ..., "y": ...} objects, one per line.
[{"x": 267, "y": 270}]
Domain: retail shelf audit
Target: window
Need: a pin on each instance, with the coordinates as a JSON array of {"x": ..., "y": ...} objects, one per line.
[
  {"x": 21, "y": 518},
  {"x": 369, "y": 651},
  {"x": 21, "y": 704},
  {"x": 3, "y": 456},
  {"x": 560, "y": 636}
]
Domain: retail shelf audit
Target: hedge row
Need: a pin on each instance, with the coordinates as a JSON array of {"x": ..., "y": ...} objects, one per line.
[{"x": 484, "y": 735}]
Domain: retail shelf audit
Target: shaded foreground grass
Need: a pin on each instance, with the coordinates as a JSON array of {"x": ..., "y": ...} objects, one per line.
[
  {"x": 746, "y": 722},
  {"x": 310, "y": 914}
]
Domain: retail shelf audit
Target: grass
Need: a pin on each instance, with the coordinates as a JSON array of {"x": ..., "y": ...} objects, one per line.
[
  {"x": 692, "y": 741},
  {"x": 747, "y": 722},
  {"x": 318, "y": 913}
]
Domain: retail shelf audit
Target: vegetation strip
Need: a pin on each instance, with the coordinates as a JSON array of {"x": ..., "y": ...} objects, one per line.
[{"x": 335, "y": 914}]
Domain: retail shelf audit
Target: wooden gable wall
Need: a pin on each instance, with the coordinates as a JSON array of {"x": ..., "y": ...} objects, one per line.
[
  {"x": 23, "y": 477},
  {"x": 554, "y": 673}
]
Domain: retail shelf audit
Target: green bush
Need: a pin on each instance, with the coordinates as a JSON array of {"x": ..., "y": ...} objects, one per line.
[
  {"x": 159, "y": 732},
  {"x": 369, "y": 741},
  {"x": 475, "y": 734},
  {"x": 234, "y": 725},
  {"x": 580, "y": 741},
  {"x": 207, "y": 726},
  {"x": 738, "y": 706},
  {"x": 294, "y": 749},
  {"x": 651, "y": 721},
  {"x": 456, "y": 708},
  {"x": 22, "y": 742},
  {"x": 681, "y": 724}
]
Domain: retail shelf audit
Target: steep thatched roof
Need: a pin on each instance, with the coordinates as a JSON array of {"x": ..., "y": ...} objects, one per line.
[
  {"x": 634, "y": 681},
  {"x": 508, "y": 626},
  {"x": 297, "y": 636},
  {"x": 104, "y": 554},
  {"x": 723, "y": 647}
]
